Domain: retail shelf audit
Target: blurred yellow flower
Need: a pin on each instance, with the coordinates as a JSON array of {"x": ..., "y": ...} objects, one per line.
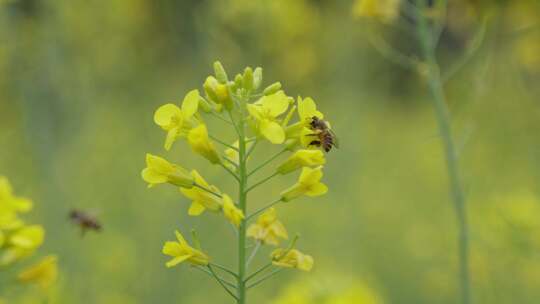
[
  {"x": 43, "y": 273},
  {"x": 28, "y": 237},
  {"x": 201, "y": 199},
  {"x": 329, "y": 289},
  {"x": 292, "y": 258},
  {"x": 159, "y": 171},
  {"x": 308, "y": 184},
  {"x": 265, "y": 113},
  {"x": 200, "y": 143},
  {"x": 384, "y": 10},
  {"x": 9, "y": 202},
  {"x": 231, "y": 212},
  {"x": 302, "y": 158},
  {"x": 177, "y": 122},
  {"x": 181, "y": 251},
  {"x": 268, "y": 229}
]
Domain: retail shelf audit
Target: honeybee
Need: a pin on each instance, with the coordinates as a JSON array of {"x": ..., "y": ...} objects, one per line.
[
  {"x": 84, "y": 221},
  {"x": 325, "y": 137}
]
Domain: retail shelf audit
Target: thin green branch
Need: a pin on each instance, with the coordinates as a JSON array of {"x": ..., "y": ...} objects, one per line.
[
  {"x": 220, "y": 117},
  {"x": 207, "y": 190},
  {"x": 471, "y": 50},
  {"x": 222, "y": 283},
  {"x": 266, "y": 277},
  {"x": 231, "y": 161},
  {"x": 253, "y": 253},
  {"x": 230, "y": 172},
  {"x": 262, "y": 182},
  {"x": 443, "y": 121},
  {"x": 390, "y": 53},
  {"x": 223, "y": 143},
  {"x": 263, "y": 209},
  {"x": 266, "y": 162},
  {"x": 227, "y": 270},
  {"x": 252, "y": 148},
  {"x": 206, "y": 271},
  {"x": 258, "y": 271}
]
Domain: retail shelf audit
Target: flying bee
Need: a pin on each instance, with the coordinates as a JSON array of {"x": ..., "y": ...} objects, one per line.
[
  {"x": 84, "y": 221},
  {"x": 325, "y": 137}
]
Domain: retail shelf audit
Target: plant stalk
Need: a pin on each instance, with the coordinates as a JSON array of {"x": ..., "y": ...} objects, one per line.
[
  {"x": 242, "y": 171},
  {"x": 452, "y": 163}
]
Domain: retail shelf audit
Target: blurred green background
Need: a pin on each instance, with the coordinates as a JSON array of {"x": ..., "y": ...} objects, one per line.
[{"x": 80, "y": 80}]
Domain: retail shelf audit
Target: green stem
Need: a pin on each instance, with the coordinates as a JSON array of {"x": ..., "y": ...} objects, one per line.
[
  {"x": 266, "y": 162},
  {"x": 208, "y": 272},
  {"x": 264, "y": 208},
  {"x": 242, "y": 194},
  {"x": 261, "y": 182},
  {"x": 266, "y": 277},
  {"x": 207, "y": 190},
  {"x": 230, "y": 172},
  {"x": 443, "y": 121},
  {"x": 227, "y": 270},
  {"x": 222, "y": 142},
  {"x": 253, "y": 253},
  {"x": 251, "y": 276},
  {"x": 221, "y": 282}
]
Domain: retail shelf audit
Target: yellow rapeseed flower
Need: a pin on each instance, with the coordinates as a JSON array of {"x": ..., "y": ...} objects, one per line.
[
  {"x": 307, "y": 109},
  {"x": 384, "y": 10},
  {"x": 43, "y": 273},
  {"x": 159, "y": 171},
  {"x": 201, "y": 199},
  {"x": 22, "y": 243},
  {"x": 177, "y": 122},
  {"x": 200, "y": 143},
  {"x": 265, "y": 113},
  {"x": 231, "y": 212},
  {"x": 181, "y": 252},
  {"x": 268, "y": 229},
  {"x": 308, "y": 184},
  {"x": 302, "y": 158},
  {"x": 9, "y": 202},
  {"x": 292, "y": 258}
]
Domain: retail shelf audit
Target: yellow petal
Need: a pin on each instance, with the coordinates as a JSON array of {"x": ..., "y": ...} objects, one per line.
[
  {"x": 190, "y": 104},
  {"x": 172, "y": 249},
  {"x": 272, "y": 131},
  {"x": 310, "y": 176},
  {"x": 276, "y": 103},
  {"x": 307, "y": 109},
  {"x": 29, "y": 237},
  {"x": 43, "y": 273},
  {"x": 172, "y": 134},
  {"x": 177, "y": 260},
  {"x": 165, "y": 115},
  {"x": 196, "y": 209},
  {"x": 317, "y": 189},
  {"x": 255, "y": 111}
]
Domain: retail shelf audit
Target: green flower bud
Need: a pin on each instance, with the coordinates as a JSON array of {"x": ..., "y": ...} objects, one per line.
[
  {"x": 238, "y": 80},
  {"x": 205, "y": 105},
  {"x": 221, "y": 75},
  {"x": 209, "y": 86},
  {"x": 273, "y": 88},
  {"x": 257, "y": 78},
  {"x": 248, "y": 78},
  {"x": 223, "y": 96}
]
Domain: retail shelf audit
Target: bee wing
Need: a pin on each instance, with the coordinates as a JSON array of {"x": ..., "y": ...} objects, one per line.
[{"x": 335, "y": 138}]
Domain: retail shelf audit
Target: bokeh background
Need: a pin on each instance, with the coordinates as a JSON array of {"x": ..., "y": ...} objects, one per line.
[{"x": 80, "y": 80}]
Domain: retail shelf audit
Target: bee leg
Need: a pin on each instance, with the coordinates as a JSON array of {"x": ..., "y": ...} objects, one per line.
[
  {"x": 314, "y": 134},
  {"x": 315, "y": 143}
]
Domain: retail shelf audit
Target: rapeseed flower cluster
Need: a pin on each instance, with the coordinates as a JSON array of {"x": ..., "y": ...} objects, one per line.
[
  {"x": 256, "y": 115},
  {"x": 20, "y": 240}
]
